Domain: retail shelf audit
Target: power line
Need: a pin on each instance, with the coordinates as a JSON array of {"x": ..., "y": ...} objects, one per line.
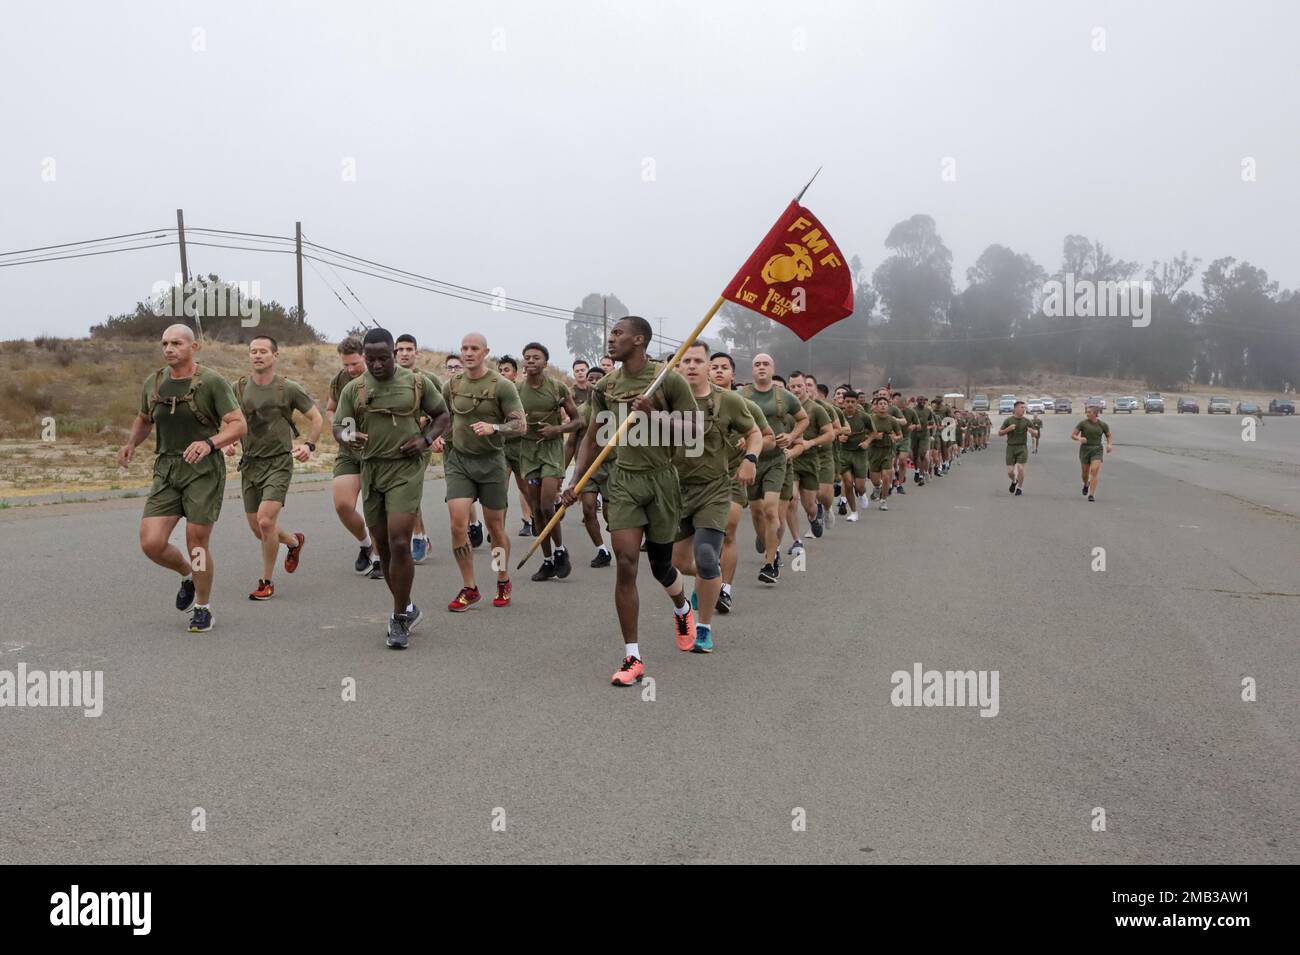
[
  {"x": 82, "y": 255},
  {"x": 153, "y": 233},
  {"x": 333, "y": 291}
]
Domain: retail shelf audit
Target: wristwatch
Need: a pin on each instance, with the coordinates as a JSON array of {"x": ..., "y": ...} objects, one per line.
[
  {"x": 311, "y": 447},
  {"x": 212, "y": 448},
  {"x": 751, "y": 458},
  {"x": 496, "y": 427}
]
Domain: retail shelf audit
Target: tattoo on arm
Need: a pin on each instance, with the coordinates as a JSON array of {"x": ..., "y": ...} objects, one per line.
[{"x": 517, "y": 424}]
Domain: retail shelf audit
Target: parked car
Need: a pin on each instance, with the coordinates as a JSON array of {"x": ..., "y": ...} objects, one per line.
[
  {"x": 1063, "y": 406},
  {"x": 1095, "y": 401},
  {"x": 1218, "y": 405},
  {"x": 1188, "y": 406},
  {"x": 980, "y": 403},
  {"x": 1006, "y": 404},
  {"x": 1048, "y": 402},
  {"x": 1128, "y": 404},
  {"x": 1153, "y": 403},
  {"x": 1281, "y": 406},
  {"x": 1247, "y": 407},
  {"x": 1034, "y": 407}
]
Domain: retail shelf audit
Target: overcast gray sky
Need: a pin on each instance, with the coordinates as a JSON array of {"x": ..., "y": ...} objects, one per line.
[{"x": 506, "y": 143}]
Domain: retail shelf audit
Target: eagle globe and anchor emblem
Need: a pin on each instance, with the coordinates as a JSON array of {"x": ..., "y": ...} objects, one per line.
[{"x": 796, "y": 266}]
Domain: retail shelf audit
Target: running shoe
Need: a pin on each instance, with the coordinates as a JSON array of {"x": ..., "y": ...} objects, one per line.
[
  {"x": 545, "y": 572},
  {"x": 767, "y": 575},
  {"x": 630, "y": 672},
  {"x": 901, "y": 488},
  {"x": 466, "y": 597},
  {"x": 838, "y": 489},
  {"x": 413, "y": 617},
  {"x": 795, "y": 547},
  {"x": 201, "y": 620},
  {"x": 703, "y": 639},
  {"x": 1012, "y": 488},
  {"x": 884, "y": 505},
  {"x": 265, "y": 591},
  {"x": 294, "y": 554},
  {"x": 376, "y": 571},
  {"x": 475, "y": 534},
  {"x": 525, "y": 530},
  {"x": 724, "y": 602},
  {"x": 399, "y": 636},
  {"x": 852, "y": 518},
  {"x": 684, "y": 627},
  {"x": 1085, "y": 490},
  {"x": 821, "y": 511},
  {"x": 563, "y": 566},
  {"x": 502, "y": 599},
  {"x": 1091, "y": 499},
  {"x": 185, "y": 596},
  {"x": 602, "y": 558},
  {"x": 843, "y": 506},
  {"x": 817, "y": 527},
  {"x": 1018, "y": 492},
  {"x": 419, "y": 549},
  {"x": 362, "y": 564}
]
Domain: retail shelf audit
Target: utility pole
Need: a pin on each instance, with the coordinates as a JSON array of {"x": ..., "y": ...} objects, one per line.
[
  {"x": 185, "y": 271},
  {"x": 604, "y": 324},
  {"x": 297, "y": 232}
]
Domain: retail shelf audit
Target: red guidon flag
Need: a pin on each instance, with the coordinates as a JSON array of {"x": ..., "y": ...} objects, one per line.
[{"x": 796, "y": 276}]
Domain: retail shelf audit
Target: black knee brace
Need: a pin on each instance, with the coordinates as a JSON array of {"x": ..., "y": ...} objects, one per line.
[
  {"x": 708, "y": 553},
  {"x": 661, "y": 562}
]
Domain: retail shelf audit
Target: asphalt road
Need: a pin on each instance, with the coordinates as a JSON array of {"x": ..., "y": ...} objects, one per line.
[{"x": 1118, "y": 689}]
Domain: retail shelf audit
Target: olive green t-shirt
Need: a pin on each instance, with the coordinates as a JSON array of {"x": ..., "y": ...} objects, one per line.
[
  {"x": 778, "y": 407},
  {"x": 735, "y": 454},
  {"x": 337, "y": 384},
  {"x": 726, "y": 418},
  {"x": 269, "y": 434},
  {"x": 580, "y": 396},
  {"x": 177, "y": 428},
  {"x": 542, "y": 404},
  {"x": 1092, "y": 431},
  {"x": 859, "y": 423},
  {"x": 390, "y": 417},
  {"x": 589, "y": 413},
  {"x": 1019, "y": 436},
  {"x": 890, "y": 428},
  {"x": 912, "y": 419},
  {"x": 640, "y": 449},
  {"x": 1036, "y": 423},
  {"x": 818, "y": 418},
  {"x": 490, "y": 398}
]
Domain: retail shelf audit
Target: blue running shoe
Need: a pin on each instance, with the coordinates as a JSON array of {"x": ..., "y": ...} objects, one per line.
[
  {"x": 419, "y": 549},
  {"x": 703, "y": 639}
]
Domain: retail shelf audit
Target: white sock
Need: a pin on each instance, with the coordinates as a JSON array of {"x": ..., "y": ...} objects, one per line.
[
  {"x": 632, "y": 650},
  {"x": 603, "y": 549},
  {"x": 559, "y": 550},
  {"x": 185, "y": 577},
  {"x": 367, "y": 543},
  {"x": 726, "y": 588},
  {"x": 203, "y": 606},
  {"x": 682, "y": 611},
  {"x": 410, "y": 607}
]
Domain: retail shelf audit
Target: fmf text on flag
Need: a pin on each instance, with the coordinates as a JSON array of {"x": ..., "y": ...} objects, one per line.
[{"x": 796, "y": 276}]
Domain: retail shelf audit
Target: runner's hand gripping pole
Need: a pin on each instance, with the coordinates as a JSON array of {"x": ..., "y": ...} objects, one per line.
[{"x": 622, "y": 429}]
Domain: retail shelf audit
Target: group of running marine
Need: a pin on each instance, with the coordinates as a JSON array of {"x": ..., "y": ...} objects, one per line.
[{"x": 689, "y": 460}]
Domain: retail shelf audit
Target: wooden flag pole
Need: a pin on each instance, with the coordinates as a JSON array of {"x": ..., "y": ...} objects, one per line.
[{"x": 622, "y": 429}]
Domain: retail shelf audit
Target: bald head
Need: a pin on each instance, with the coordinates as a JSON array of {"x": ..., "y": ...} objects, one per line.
[
  {"x": 182, "y": 332},
  {"x": 764, "y": 369},
  {"x": 473, "y": 354},
  {"x": 179, "y": 347}
]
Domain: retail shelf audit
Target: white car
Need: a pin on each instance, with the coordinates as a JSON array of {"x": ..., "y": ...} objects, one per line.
[
  {"x": 1006, "y": 404},
  {"x": 1035, "y": 407}
]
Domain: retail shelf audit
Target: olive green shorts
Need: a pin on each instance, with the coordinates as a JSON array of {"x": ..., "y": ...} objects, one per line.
[
  {"x": 1088, "y": 453},
  {"x": 191, "y": 491},
  {"x": 880, "y": 459},
  {"x": 787, "y": 482},
  {"x": 391, "y": 486},
  {"x": 769, "y": 476},
  {"x": 514, "y": 455},
  {"x": 805, "y": 471},
  {"x": 739, "y": 494},
  {"x": 346, "y": 464},
  {"x": 648, "y": 499},
  {"x": 826, "y": 467},
  {"x": 1017, "y": 454},
  {"x": 855, "y": 463},
  {"x": 704, "y": 506},
  {"x": 477, "y": 477},
  {"x": 600, "y": 480},
  {"x": 265, "y": 479},
  {"x": 542, "y": 459}
]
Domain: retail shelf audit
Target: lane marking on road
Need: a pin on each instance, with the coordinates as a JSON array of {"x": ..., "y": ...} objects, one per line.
[{"x": 1195, "y": 527}]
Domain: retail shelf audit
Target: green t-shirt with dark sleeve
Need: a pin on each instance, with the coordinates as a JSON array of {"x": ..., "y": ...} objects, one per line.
[
  {"x": 641, "y": 449},
  {"x": 390, "y": 416},
  {"x": 1092, "y": 431},
  {"x": 491, "y": 398},
  {"x": 1018, "y": 437},
  {"x": 269, "y": 410}
]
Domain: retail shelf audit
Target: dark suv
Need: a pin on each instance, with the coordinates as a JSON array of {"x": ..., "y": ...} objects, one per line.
[
  {"x": 1281, "y": 406},
  {"x": 1188, "y": 406}
]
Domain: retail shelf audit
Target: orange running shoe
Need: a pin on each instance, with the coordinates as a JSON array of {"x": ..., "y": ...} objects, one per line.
[
  {"x": 684, "y": 624},
  {"x": 294, "y": 554},
  {"x": 630, "y": 672},
  {"x": 265, "y": 591},
  {"x": 502, "y": 599},
  {"x": 467, "y": 596}
]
